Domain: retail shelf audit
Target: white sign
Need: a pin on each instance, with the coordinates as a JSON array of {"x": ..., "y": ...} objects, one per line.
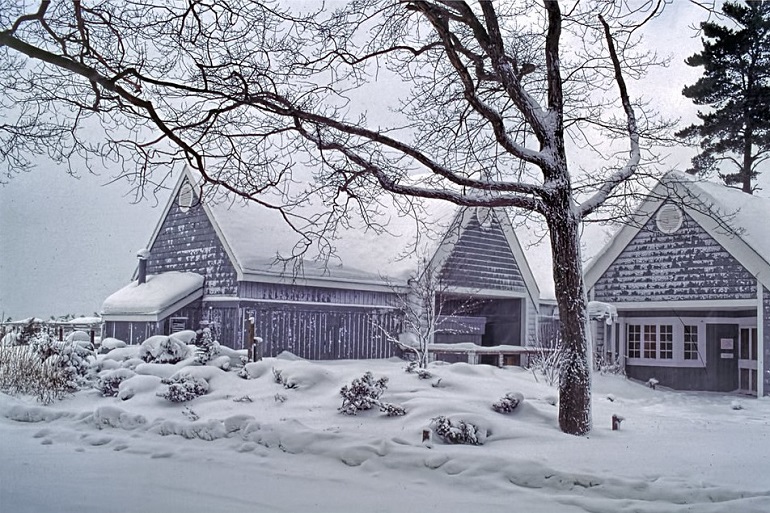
[
  {"x": 727, "y": 343},
  {"x": 727, "y": 356}
]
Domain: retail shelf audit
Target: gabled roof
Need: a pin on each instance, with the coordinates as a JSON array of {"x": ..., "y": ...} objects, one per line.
[
  {"x": 255, "y": 236},
  {"x": 736, "y": 220},
  {"x": 159, "y": 296}
]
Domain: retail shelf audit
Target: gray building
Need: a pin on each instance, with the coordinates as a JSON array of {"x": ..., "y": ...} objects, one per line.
[
  {"x": 690, "y": 279},
  {"x": 224, "y": 264}
]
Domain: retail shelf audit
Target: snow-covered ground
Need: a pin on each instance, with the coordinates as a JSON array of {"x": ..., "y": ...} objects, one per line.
[{"x": 258, "y": 446}]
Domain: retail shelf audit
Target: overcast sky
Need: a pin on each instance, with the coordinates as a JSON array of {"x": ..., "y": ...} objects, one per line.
[{"x": 66, "y": 243}]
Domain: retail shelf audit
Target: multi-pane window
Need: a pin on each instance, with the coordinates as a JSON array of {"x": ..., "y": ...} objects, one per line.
[
  {"x": 634, "y": 340},
  {"x": 690, "y": 342},
  {"x": 650, "y": 340},
  {"x": 666, "y": 342}
]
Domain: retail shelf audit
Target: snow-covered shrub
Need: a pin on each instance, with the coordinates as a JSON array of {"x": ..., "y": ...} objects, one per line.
[
  {"x": 208, "y": 348},
  {"x": 362, "y": 394},
  {"x": 508, "y": 402},
  {"x": 456, "y": 432},
  {"x": 44, "y": 368},
  {"x": 392, "y": 410},
  {"x": 71, "y": 359},
  {"x": 163, "y": 349},
  {"x": 546, "y": 362},
  {"x": 253, "y": 370},
  {"x": 278, "y": 378},
  {"x": 109, "y": 381},
  {"x": 182, "y": 388},
  {"x": 108, "y": 344},
  {"x": 609, "y": 364}
]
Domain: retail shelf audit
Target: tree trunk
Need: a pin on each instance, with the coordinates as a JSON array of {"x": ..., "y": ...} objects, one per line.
[
  {"x": 575, "y": 377},
  {"x": 748, "y": 139}
]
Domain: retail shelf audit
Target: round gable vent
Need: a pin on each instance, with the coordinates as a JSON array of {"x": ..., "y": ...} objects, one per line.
[
  {"x": 669, "y": 218},
  {"x": 484, "y": 217},
  {"x": 186, "y": 197}
]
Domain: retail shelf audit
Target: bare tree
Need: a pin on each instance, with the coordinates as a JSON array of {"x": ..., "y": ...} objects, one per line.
[{"x": 488, "y": 102}]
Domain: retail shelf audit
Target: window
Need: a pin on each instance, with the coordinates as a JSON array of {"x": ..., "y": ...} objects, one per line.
[
  {"x": 634, "y": 340},
  {"x": 666, "y": 342},
  {"x": 690, "y": 342},
  {"x": 650, "y": 341}
]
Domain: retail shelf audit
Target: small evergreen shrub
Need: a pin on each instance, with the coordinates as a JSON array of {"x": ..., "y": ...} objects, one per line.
[
  {"x": 362, "y": 394},
  {"x": 456, "y": 432},
  {"x": 208, "y": 348},
  {"x": 508, "y": 403},
  {"x": 184, "y": 388},
  {"x": 109, "y": 382}
]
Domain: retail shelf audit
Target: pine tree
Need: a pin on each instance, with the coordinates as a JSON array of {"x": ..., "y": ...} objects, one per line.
[{"x": 734, "y": 137}]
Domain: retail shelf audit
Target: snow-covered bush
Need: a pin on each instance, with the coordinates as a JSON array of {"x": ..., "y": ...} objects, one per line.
[
  {"x": 278, "y": 378},
  {"x": 208, "y": 348},
  {"x": 392, "y": 410},
  {"x": 456, "y": 432},
  {"x": 508, "y": 402},
  {"x": 182, "y": 388},
  {"x": 109, "y": 381},
  {"x": 44, "y": 368},
  {"x": 71, "y": 359},
  {"x": 546, "y": 362},
  {"x": 108, "y": 344},
  {"x": 362, "y": 394},
  {"x": 163, "y": 349}
]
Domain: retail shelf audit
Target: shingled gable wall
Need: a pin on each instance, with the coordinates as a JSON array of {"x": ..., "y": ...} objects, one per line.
[
  {"x": 684, "y": 266},
  {"x": 482, "y": 260},
  {"x": 187, "y": 241}
]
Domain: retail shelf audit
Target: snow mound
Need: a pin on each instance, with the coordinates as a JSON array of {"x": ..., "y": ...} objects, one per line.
[{"x": 114, "y": 417}]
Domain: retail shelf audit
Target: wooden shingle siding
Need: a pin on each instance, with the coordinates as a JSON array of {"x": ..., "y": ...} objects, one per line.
[
  {"x": 188, "y": 242},
  {"x": 296, "y": 293},
  {"x": 324, "y": 333},
  {"x": 686, "y": 265},
  {"x": 482, "y": 259}
]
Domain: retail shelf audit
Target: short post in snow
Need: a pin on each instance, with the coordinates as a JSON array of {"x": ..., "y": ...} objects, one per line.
[{"x": 616, "y": 420}]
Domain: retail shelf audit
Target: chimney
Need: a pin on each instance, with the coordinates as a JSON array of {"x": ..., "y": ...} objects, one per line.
[{"x": 142, "y": 255}]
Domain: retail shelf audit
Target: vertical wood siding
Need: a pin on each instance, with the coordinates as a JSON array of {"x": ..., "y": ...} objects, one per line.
[
  {"x": 686, "y": 265},
  {"x": 188, "y": 242},
  {"x": 765, "y": 342},
  {"x": 482, "y": 259},
  {"x": 320, "y": 333}
]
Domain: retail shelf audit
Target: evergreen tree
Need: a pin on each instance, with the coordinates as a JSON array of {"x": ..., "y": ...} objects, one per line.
[{"x": 734, "y": 136}]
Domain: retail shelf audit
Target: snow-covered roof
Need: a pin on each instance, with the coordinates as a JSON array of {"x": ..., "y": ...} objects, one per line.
[
  {"x": 257, "y": 236},
  {"x": 385, "y": 249},
  {"x": 85, "y": 320},
  {"x": 154, "y": 299},
  {"x": 732, "y": 217}
]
